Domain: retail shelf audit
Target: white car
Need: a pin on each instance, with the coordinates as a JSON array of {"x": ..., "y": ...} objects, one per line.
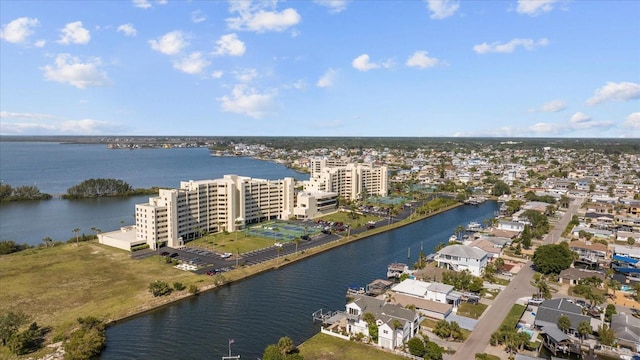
[{"x": 226, "y": 255}]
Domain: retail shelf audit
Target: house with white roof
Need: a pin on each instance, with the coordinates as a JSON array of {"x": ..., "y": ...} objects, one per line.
[
  {"x": 627, "y": 251},
  {"x": 510, "y": 226},
  {"x": 396, "y": 324},
  {"x": 462, "y": 257}
]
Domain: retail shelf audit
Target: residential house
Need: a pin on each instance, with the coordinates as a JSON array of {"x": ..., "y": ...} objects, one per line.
[
  {"x": 594, "y": 252},
  {"x": 435, "y": 300},
  {"x": 462, "y": 257},
  {"x": 494, "y": 250},
  {"x": 547, "y": 315},
  {"x": 396, "y": 324},
  {"x": 627, "y": 251},
  {"x": 510, "y": 226},
  {"x": 627, "y": 330},
  {"x": 572, "y": 276},
  {"x": 597, "y": 233}
]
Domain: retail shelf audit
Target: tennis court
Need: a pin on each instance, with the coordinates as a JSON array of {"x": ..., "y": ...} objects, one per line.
[{"x": 282, "y": 230}]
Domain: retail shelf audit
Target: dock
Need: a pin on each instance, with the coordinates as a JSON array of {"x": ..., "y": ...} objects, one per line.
[{"x": 328, "y": 318}]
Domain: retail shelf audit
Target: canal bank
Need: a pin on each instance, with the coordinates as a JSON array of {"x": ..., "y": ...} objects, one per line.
[
  {"x": 244, "y": 273},
  {"x": 256, "y": 312}
]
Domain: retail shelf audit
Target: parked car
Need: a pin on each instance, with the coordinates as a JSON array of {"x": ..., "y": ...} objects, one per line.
[
  {"x": 173, "y": 255},
  {"x": 164, "y": 253}
]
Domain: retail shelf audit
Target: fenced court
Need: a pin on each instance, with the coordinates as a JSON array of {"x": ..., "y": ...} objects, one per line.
[
  {"x": 388, "y": 200},
  {"x": 282, "y": 230}
]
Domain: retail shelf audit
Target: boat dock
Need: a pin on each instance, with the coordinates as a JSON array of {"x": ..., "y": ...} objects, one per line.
[{"x": 328, "y": 318}]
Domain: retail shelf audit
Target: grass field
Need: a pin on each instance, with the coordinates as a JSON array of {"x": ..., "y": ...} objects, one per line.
[
  {"x": 511, "y": 320},
  {"x": 471, "y": 310},
  {"x": 232, "y": 242},
  {"x": 55, "y": 286},
  {"x": 325, "y": 347}
]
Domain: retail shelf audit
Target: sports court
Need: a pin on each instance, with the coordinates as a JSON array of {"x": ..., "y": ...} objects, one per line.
[{"x": 282, "y": 230}]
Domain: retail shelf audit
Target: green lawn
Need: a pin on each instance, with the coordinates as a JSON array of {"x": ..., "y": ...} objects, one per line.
[
  {"x": 345, "y": 218},
  {"x": 326, "y": 347},
  {"x": 471, "y": 310},
  {"x": 511, "y": 320},
  {"x": 232, "y": 242}
]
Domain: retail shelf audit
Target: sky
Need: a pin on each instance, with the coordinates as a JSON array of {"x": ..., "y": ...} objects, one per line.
[{"x": 428, "y": 68}]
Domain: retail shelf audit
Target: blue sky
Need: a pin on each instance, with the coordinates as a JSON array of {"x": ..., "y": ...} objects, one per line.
[{"x": 509, "y": 68}]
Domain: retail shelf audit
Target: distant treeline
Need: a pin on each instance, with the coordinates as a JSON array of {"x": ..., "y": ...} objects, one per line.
[
  {"x": 104, "y": 188},
  {"x": 27, "y": 192}
]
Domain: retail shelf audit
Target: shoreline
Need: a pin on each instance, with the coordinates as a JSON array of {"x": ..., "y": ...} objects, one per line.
[{"x": 274, "y": 265}]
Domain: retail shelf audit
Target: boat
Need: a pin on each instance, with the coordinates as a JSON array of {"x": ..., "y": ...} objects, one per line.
[
  {"x": 474, "y": 226},
  {"x": 453, "y": 238},
  {"x": 395, "y": 270}
]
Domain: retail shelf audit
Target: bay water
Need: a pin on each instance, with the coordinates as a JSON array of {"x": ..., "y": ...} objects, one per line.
[{"x": 55, "y": 167}]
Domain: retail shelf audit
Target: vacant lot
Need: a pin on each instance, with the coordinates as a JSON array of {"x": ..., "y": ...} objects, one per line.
[
  {"x": 325, "y": 347},
  {"x": 55, "y": 286}
]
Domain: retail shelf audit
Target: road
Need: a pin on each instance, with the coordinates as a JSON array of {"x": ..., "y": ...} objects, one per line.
[{"x": 520, "y": 286}]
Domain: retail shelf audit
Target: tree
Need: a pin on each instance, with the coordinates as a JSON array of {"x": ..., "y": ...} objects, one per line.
[
  {"x": 271, "y": 352},
  {"x": 631, "y": 241},
  {"x": 442, "y": 329},
  {"x": 48, "y": 241},
  {"x": 614, "y": 285},
  {"x": 416, "y": 347},
  {"x": 87, "y": 341},
  {"x": 10, "y": 323},
  {"x": 542, "y": 286},
  {"x": 564, "y": 323},
  {"x": 500, "y": 188},
  {"x": 433, "y": 351},
  {"x": 606, "y": 335},
  {"x": 553, "y": 258},
  {"x": 76, "y": 231},
  {"x": 584, "y": 329},
  {"x": 609, "y": 312},
  {"x": 27, "y": 341},
  {"x": 525, "y": 237},
  {"x": 285, "y": 345}
]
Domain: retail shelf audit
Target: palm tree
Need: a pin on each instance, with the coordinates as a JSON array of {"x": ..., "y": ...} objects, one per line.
[
  {"x": 47, "y": 241},
  {"x": 614, "y": 285},
  {"x": 584, "y": 329},
  {"x": 458, "y": 231},
  {"x": 76, "y": 231},
  {"x": 564, "y": 323},
  {"x": 297, "y": 242}
]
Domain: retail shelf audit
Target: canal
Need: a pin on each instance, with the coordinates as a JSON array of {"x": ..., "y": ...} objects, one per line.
[{"x": 258, "y": 311}]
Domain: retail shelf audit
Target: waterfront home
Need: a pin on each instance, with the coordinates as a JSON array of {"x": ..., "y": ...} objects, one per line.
[
  {"x": 432, "y": 291},
  {"x": 547, "y": 315},
  {"x": 494, "y": 250},
  {"x": 597, "y": 233},
  {"x": 510, "y": 226},
  {"x": 627, "y": 330},
  {"x": 462, "y": 257},
  {"x": 396, "y": 325}
]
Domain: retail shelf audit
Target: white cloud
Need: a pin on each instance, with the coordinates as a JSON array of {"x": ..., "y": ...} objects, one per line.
[
  {"x": 40, "y": 43},
  {"x": 552, "y": 106},
  {"x": 192, "y": 64},
  {"x": 68, "y": 69},
  {"x": 335, "y": 6},
  {"x": 74, "y": 33},
  {"x": 15, "y": 115},
  {"x": 230, "y": 45},
  {"x": 633, "y": 121},
  {"x": 579, "y": 118},
  {"x": 142, "y": 4},
  {"x": 54, "y": 126},
  {"x": 422, "y": 60},
  {"x": 535, "y": 7},
  {"x": 170, "y": 43},
  {"x": 248, "y": 101},
  {"x": 362, "y": 63},
  {"x": 327, "y": 79},
  {"x": 246, "y": 75},
  {"x": 18, "y": 30},
  {"x": 217, "y": 74},
  {"x": 197, "y": 17},
  {"x": 441, "y": 9},
  {"x": 127, "y": 29},
  {"x": 254, "y": 17},
  {"x": 496, "y": 47},
  {"x": 623, "y": 91}
]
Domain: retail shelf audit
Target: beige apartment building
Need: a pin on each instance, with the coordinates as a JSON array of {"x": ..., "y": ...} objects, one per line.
[
  {"x": 350, "y": 181},
  {"x": 207, "y": 206}
]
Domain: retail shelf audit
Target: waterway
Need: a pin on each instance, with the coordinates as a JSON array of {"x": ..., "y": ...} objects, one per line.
[
  {"x": 258, "y": 311},
  {"x": 54, "y": 168}
]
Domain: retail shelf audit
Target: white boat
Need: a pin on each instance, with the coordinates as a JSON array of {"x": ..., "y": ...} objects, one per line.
[
  {"x": 474, "y": 226},
  {"x": 453, "y": 238}
]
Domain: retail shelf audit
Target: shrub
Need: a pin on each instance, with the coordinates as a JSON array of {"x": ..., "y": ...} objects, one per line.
[
  {"x": 178, "y": 286},
  {"x": 193, "y": 289},
  {"x": 159, "y": 288}
]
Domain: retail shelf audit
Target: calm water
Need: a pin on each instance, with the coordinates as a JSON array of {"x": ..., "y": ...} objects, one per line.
[
  {"x": 56, "y": 167},
  {"x": 258, "y": 311}
]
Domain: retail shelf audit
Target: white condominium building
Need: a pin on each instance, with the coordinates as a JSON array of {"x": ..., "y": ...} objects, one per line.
[
  {"x": 351, "y": 181},
  {"x": 206, "y": 206}
]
